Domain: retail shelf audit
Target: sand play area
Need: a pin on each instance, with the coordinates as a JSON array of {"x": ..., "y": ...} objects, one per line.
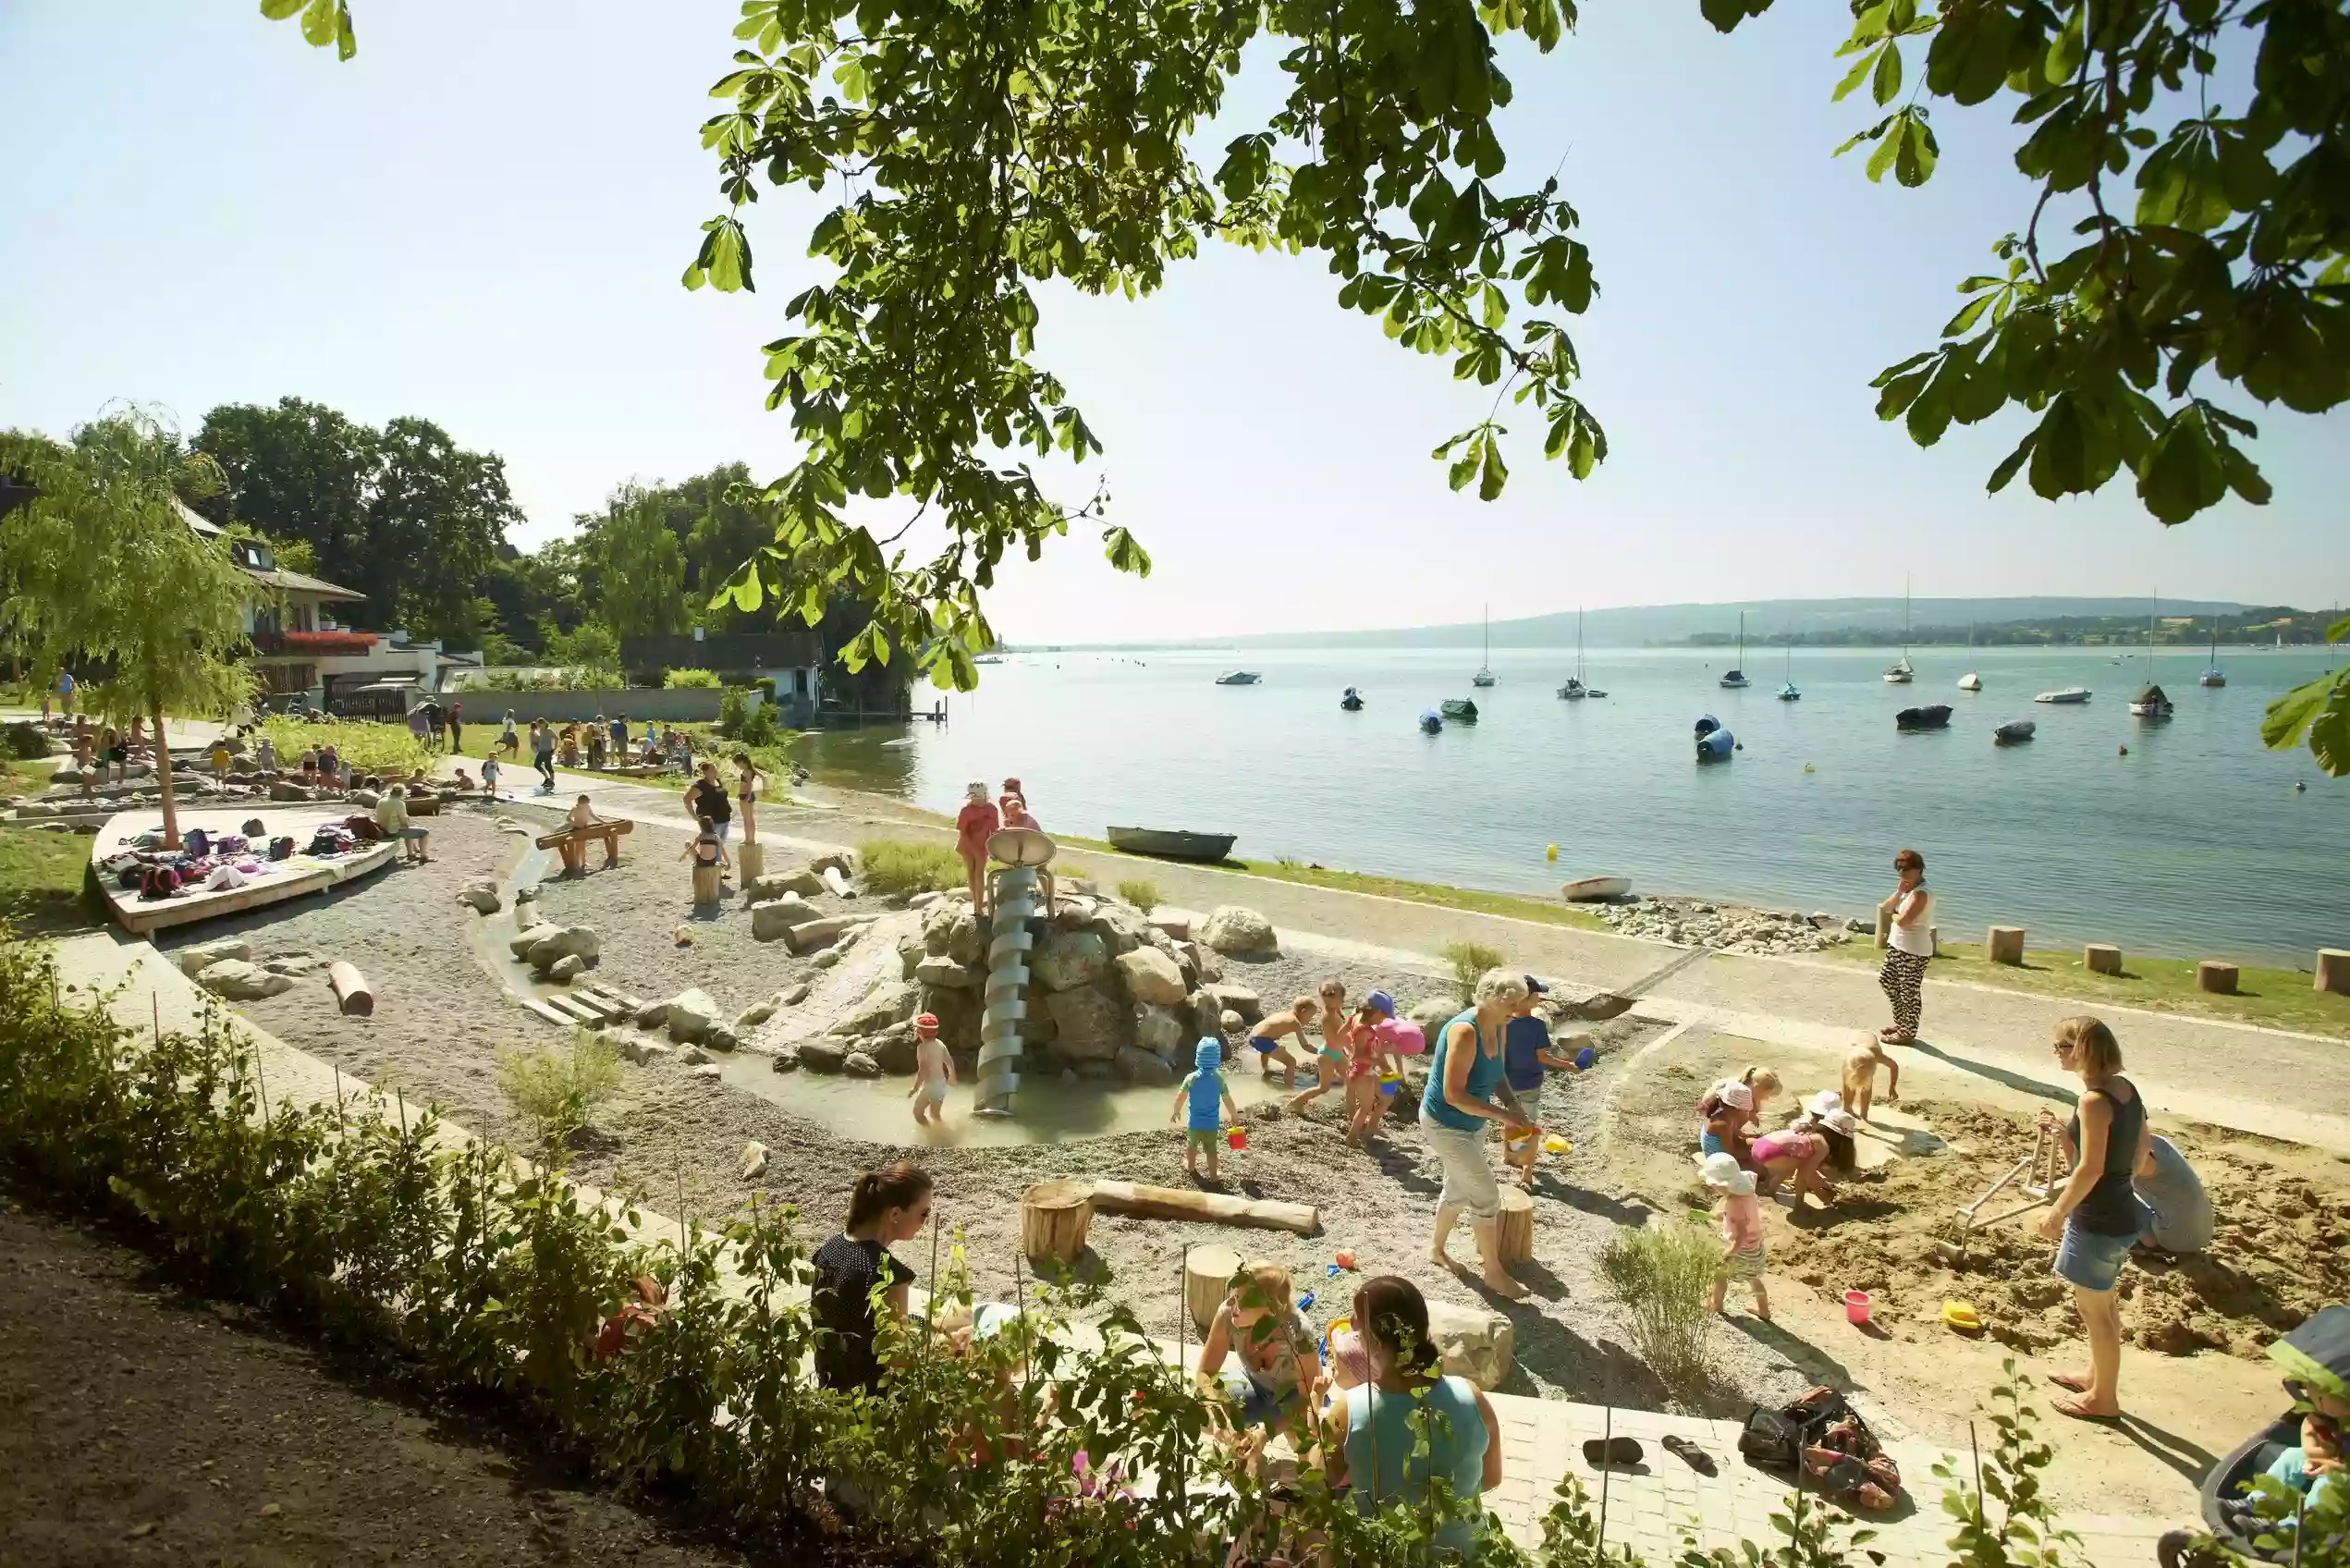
[{"x": 449, "y": 1002}]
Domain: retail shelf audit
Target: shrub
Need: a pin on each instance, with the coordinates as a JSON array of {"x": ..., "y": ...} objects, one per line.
[
  {"x": 734, "y": 710},
  {"x": 368, "y": 747},
  {"x": 26, "y": 743},
  {"x": 698, "y": 678},
  {"x": 1469, "y": 961},
  {"x": 1141, "y": 892},
  {"x": 1663, "y": 1276},
  {"x": 896, "y": 865},
  {"x": 558, "y": 1089}
]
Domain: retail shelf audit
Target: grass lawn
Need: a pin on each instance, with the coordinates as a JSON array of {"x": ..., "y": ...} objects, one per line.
[
  {"x": 2281, "y": 998},
  {"x": 42, "y": 879}
]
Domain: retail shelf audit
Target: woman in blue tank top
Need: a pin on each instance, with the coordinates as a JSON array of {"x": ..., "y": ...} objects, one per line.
[
  {"x": 1376, "y": 1429},
  {"x": 2095, "y": 1217},
  {"x": 1456, "y": 1111}
]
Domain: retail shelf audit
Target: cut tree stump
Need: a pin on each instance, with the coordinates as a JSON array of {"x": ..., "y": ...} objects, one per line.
[
  {"x": 752, "y": 860},
  {"x": 2333, "y": 971},
  {"x": 1054, "y": 1219},
  {"x": 2215, "y": 976},
  {"x": 351, "y": 989},
  {"x": 1513, "y": 1233},
  {"x": 2005, "y": 945},
  {"x": 1207, "y": 1280},
  {"x": 2101, "y": 958}
]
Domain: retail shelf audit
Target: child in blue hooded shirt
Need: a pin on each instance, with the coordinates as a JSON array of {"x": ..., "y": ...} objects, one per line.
[{"x": 1204, "y": 1094}]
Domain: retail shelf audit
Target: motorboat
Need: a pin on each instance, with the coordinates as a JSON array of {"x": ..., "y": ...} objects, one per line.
[
  {"x": 1239, "y": 678},
  {"x": 1484, "y": 677},
  {"x": 1352, "y": 701},
  {"x": 1595, "y": 890},
  {"x": 990, "y": 658},
  {"x": 2064, "y": 694},
  {"x": 1171, "y": 844},
  {"x": 1970, "y": 682},
  {"x": 2015, "y": 732},
  {"x": 1714, "y": 742},
  {"x": 2212, "y": 675},
  {"x": 1461, "y": 710},
  {"x": 1936, "y": 716},
  {"x": 1736, "y": 676},
  {"x": 2151, "y": 702},
  {"x": 1431, "y": 722}
]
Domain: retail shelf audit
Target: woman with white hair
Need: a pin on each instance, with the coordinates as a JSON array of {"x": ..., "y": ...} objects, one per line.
[
  {"x": 1465, "y": 1068},
  {"x": 974, "y": 825}
]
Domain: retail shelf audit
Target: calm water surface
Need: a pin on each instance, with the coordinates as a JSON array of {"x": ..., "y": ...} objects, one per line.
[{"x": 2194, "y": 844}]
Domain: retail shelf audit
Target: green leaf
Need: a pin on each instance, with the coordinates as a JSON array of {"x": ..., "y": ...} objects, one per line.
[
  {"x": 2339, "y": 631},
  {"x": 1887, "y": 84},
  {"x": 2180, "y": 475},
  {"x": 1888, "y": 149},
  {"x": 1496, "y": 473},
  {"x": 318, "y": 23},
  {"x": 1914, "y": 162},
  {"x": 1858, "y": 74},
  {"x": 2291, "y": 714},
  {"x": 1727, "y": 14},
  {"x": 346, "y": 42},
  {"x": 2011, "y": 462},
  {"x": 1125, "y": 552},
  {"x": 278, "y": 10},
  {"x": 2070, "y": 47},
  {"x": 1966, "y": 318},
  {"x": 2330, "y": 732}
]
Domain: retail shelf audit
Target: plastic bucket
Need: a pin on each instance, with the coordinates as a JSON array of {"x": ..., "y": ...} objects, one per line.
[
  {"x": 1857, "y": 1306},
  {"x": 1389, "y": 1085},
  {"x": 1237, "y": 1137}
]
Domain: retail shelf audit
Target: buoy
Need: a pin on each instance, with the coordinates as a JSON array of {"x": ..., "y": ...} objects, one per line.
[
  {"x": 1807, "y": 767},
  {"x": 2299, "y": 788},
  {"x": 2125, "y": 750},
  {"x": 1554, "y": 853}
]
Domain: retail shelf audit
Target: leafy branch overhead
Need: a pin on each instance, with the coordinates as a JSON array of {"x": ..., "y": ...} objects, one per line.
[{"x": 2319, "y": 709}]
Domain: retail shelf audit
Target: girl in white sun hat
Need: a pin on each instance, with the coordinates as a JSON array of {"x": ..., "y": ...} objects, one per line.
[{"x": 1740, "y": 1214}]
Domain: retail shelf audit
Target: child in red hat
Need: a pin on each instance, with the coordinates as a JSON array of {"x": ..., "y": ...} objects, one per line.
[{"x": 934, "y": 1073}]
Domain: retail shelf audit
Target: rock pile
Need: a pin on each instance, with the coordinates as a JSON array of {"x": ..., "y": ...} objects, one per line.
[
  {"x": 1729, "y": 928},
  {"x": 557, "y": 952}
]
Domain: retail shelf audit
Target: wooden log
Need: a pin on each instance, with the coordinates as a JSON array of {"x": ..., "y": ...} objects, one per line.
[
  {"x": 1054, "y": 1219},
  {"x": 2005, "y": 945},
  {"x": 2333, "y": 971},
  {"x": 2216, "y": 976},
  {"x": 753, "y": 860},
  {"x": 1176, "y": 1203},
  {"x": 351, "y": 989},
  {"x": 1207, "y": 1280},
  {"x": 1514, "y": 1234},
  {"x": 705, "y": 884},
  {"x": 2101, "y": 958}
]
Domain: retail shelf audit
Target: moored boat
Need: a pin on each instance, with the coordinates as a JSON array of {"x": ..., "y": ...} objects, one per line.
[
  {"x": 2212, "y": 675},
  {"x": 1352, "y": 701},
  {"x": 2014, "y": 733},
  {"x": 2152, "y": 702},
  {"x": 1595, "y": 890},
  {"x": 1573, "y": 690},
  {"x": 2064, "y": 694},
  {"x": 1484, "y": 677},
  {"x": 1170, "y": 844},
  {"x": 1970, "y": 682},
  {"x": 1714, "y": 742},
  {"x": 1239, "y": 678},
  {"x": 1461, "y": 710},
  {"x": 1935, "y": 715},
  {"x": 1431, "y": 722}
]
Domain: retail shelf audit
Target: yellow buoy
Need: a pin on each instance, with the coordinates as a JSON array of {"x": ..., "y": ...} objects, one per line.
[
  {"x": 1554, "y": 851},
  {"x": 1807, "y": 767}
]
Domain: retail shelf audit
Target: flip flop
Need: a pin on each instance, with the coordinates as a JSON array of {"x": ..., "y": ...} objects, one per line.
[
  {"x": 1697, "y": 1459},
  {"x": 2079, "y": 1412},
  {"x": 2072, "y": 1380},
  {"x": 1599, "y": 1454}
]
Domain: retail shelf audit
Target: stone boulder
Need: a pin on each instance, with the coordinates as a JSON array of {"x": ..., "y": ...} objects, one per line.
[
  {"x": 651, "y": 1015},
  {"x": 841, "y": 861},
  {"x": 1159, "y": 1030},
  {"x": 812, "y": 934},
  {"x": 923, "y": 899},
  {"x": 947, "y": 973},
  {"x": 194, "y": 961},
  {"x": 776, "y": 917},
  {"x": 1087, "y": 1025},
  {"x": 1229, "y": 1022},
  {"x": 565, "y": 941},
  {"x": 827, "y": 958},
  {"x": 893, "y": 1049},
  {"x": 1242, "y": 932},
  {"x": 689, "y": 1014},
  {"x": 949, "y": 931},
  {"x": 1175, "y": 922},
  {"x": 823, "y": 1056},
  {"x": 522, "y": 941},
  {"x": 1237, "y": 998},
  {"x": 787, "y": 1058},
  {"x": 233, "y": 979},
  {"x": 775, "y": 884},
  {"x": 1068, "y": 961},
  {"x": 1123, "y": 928},
  {"x": 643, "y": 1051},
  {"x": 958, "y": 1012},
  {"x": 565, "y": 970},
  {"x": 481, "y": 897},
  {"x": 1475, "y": 1344},
  {"x": 281, "y": 791},
  {"x": 793, "y": 995},
  {"x": 1151, "y": 976},
  {"x": 1143, "y": 1070},
  {"x": 857, "y": 1065},
  {"x": 891, "y": 1001},
  {"x": 754, "y": 1163},
  {"x": 721, "y": 1037},
  {"x": 757, "y": 1013}
]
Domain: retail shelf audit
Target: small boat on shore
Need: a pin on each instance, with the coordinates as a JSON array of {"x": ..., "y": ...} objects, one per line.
[
  {"x": 1970, "y": 682},
  {"x": 1352, "y": 701},
  {"x": 1239, "y": 678},
  {"x": 2064, "y": 694},
  {"x": 1431, "y": 722},
  {"x": 1935, "y": 715},
  {"x": 1460, "y": 710},
  {"x": 2015, "y": 732},
  {"x": 2152, "y": 702},
  {"x": 1165, "y": 843},
  {"x": 1714, "y": 742},
  {"x": 1595, "y": 890}
]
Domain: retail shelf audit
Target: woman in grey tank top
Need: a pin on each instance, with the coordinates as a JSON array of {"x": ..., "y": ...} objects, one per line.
[{"x": 2095, "y": 1217}]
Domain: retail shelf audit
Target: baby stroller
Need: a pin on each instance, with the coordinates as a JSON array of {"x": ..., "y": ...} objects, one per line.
[{"x": 2316, "y": 1357}]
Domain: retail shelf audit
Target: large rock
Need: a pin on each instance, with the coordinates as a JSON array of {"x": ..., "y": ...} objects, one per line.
[
  {"x": 1068, "y": 960},
  {"x": 643, "y": 1051},
  {"x": 773, "y": 918},
  {"x": 894, "y": 1050},
  {"x": 651, "y": 1015},
  {"x": 947, "y": 973},
  {"x": 691, "y": 1013},
  {"x": 1087, "y": 1025},
  {"x": 281, "y": 791},
  {"x": 892, "y": 1001},
  {"x": 804, "y": 882},
  {"x": 1123, "y": 929},
  {"x": 721, "y": 1037},
  {"x": 958, "y": 1012},
  {"x": 810, "y": 934},
  {"x": 1156, "y": 1029},
  {"x": 1476, "y": 1344},
  {"x": 793, "y": 995},
  {"x": 857, "y": 1065},
  {"x": 1202, "y": 1015},
  {"x": 522, "y": 941},
  {"x": 1177, "y": 922},
  {"x": 1143, "y": 1070},
  {"x": 757, "y": 1013},
  {"x": 235, "y": 980},
  {"x": 482, "y": 897},
  {"x": 842, "y": 861},
  {"x": 1431, "y": 1013},
  {"x": 1237, "y": 998},
  {"x": 949, "y": 931},
  {"x": 1234, "y": 929},
  {"x": 823, "y": 1056},
  {"x": 565, "y": 970},
  {"x": 1151, "y": 976},
  {"x": 194, "y": 961}
]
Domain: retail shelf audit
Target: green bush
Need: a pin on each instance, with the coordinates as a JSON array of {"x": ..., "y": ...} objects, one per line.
[
  {"x": 700, "y": 679},
  {"x": 558, "y": 1089},
  {"x": 1469, "y": 961},
  {"x": 369, "y": 747},
  {"x": 1663, "y": 1276},
  {"x": 25, "y": 743},
  {"x": 1141, "y": 892},
  {"x": 898, "y": 865}
]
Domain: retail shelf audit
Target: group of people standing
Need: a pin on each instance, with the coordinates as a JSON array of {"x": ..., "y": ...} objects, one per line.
[
  {"x": 981, "y": 819},
  {"x": 436, "y": 725}
]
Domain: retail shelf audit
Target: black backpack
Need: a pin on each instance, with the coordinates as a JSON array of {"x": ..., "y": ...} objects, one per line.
[
  {"x": 1775, "y": 1439},
  {"x": 158, "y": 882},
  {"x": 281, "y": 848}
]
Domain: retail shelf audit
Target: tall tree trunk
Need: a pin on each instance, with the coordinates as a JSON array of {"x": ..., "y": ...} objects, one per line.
[{"x": 163, "y": 778}]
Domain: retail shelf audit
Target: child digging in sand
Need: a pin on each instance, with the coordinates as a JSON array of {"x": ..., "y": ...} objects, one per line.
[
  {"x": 1330, "y": 1064},
  {"x": 1860, "y": 1078},
  {"x": 934, "y": 1073},
  {"x": 1743, "y": 1256},
  {"x": 1266, "y": 1037},
  {"x": 1201, "y": 1094}
]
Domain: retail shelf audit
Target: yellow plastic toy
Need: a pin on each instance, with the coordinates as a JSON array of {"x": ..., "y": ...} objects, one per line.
[
  {"x": 1554, "y": 853},
  {"x": 1556, "y": 1145},
  {"x": 1962, "y": 1316}
]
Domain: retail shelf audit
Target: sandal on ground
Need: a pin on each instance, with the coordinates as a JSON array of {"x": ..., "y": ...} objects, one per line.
[
  {"x": 1697, "y": 1459},
  {"x": 2072, "y": 1380},
  {"x": 2079, "y": 1411},
  {"x": 1600, "y": 1452}
]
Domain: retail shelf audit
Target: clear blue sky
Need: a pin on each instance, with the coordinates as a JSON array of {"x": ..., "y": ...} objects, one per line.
[{"x": 481, "y": 220}]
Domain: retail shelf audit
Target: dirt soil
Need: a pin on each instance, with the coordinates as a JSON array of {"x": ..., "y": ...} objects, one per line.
[{"x": 146, "y": 1427}]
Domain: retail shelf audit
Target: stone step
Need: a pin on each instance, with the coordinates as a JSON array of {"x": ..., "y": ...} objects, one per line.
[
  {"x": 574, "y": 1010},
  {"x": 558, "y": 1020}
]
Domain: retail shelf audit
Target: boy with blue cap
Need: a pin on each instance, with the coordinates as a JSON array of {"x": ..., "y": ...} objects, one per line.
[{"x": 1204, "y": 1094}]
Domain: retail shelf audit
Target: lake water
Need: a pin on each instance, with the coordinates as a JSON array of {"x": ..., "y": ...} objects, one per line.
[{"x": 2194, "y": 844}]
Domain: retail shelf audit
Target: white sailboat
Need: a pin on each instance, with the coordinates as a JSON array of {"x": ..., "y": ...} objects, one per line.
[
  {"x": 1736, "y": 676},
  {"x": 1787, "y": 690},
  {"x": 1574, "y": 691},
  {"x": 1484, "y": 677},
  {"x": 2151, "y": 702},
  {"x": 2213, "y": 676},
  {"x": 1899, "y": 672}
]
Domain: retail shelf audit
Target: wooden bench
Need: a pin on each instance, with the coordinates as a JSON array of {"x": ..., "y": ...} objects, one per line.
[{"x": 573, "y": 842}]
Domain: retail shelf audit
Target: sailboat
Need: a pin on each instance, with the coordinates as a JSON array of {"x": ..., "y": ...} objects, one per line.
[
  {"x": 2214, "y": 675},
  {"x": 1574, "y": 691},
  {"x": 1899, "y": 672},
  {"x": 1484, "y": 677},
  {"x": 2151, "y": 702},
  {"x": 1736, "y": 676},
  {"x": 1787, "y": 692}
]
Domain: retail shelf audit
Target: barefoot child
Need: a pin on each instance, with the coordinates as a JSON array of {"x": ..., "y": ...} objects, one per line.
[
  {"x": 1371, "y": 1052},
  {"x": 1860, "y": 1078},
  {"x": 934, "y": 1073},
  {"x": 1266, "y": 1037},
  {"x": 1329, "y": 1066},
  {"x": 1200, "y": 1094},
  {"x": 489, "y": 776},
  {"x": 708, "y": 853},
  {"x": 1743, "y": 1256},
  {"x": 1527, "y": 1057},
  {"x": 1277, "y": 1384}
]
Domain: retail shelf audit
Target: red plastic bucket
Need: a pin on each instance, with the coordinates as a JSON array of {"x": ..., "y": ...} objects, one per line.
[
  {"x": 1237, "y": 1137},
  {"x": 1857, "y": 1306}
]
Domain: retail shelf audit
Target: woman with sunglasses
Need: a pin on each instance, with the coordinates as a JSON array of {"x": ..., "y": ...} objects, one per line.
[
  {"x": 1909, "y": 942},
  {"x": 2095, "y": 1217}
]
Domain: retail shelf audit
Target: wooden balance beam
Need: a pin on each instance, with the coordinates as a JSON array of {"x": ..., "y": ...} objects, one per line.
[{"x": 573, "y": 842}]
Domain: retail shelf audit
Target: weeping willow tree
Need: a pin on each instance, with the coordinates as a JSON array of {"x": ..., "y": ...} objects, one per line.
[{"x": 100, "y": 569}]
